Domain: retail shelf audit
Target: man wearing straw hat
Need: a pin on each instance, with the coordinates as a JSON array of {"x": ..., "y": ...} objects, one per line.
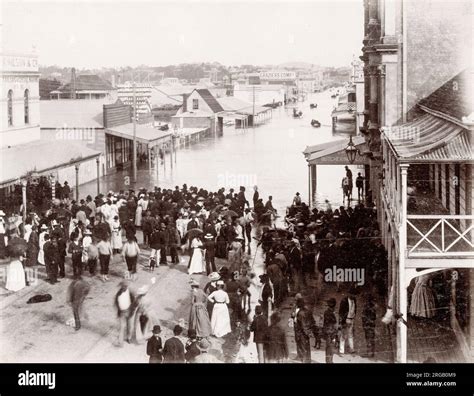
[{"x": 204, "y": 346}]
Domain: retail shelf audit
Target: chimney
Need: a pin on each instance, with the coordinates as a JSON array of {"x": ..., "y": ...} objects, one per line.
[{"x": 73, "y": 83}]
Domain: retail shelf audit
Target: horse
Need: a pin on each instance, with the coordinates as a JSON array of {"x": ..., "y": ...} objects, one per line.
[{"x": 346, "y": 190}]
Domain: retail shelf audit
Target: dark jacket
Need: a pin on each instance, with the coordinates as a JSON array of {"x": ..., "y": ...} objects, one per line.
[
  {"x": 369, "y": 317},
  {"x": 277, "y": 348},
  {"x": 329, "y": 323},
  {"x": 173, "y": 351},
  {"x": 304, "y": 324},
  {"x": 157, "y": 240},
  {"x": 344, "y": 309},
  {"x": 153, "y": 349},
  {"x": 51, "y": 254},
  {"x": 259, "y": 327},
  {"x": 192, "y": 351}
]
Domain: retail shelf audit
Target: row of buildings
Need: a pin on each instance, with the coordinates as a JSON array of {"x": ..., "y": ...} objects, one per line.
[{"x": 415, "y": 119}]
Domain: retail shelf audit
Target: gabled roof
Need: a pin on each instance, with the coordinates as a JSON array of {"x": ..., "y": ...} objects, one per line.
[
  {"x": 454, "y": 99},
  {"x": 210, "y": 100},
  {"x": 88, "y": 82}
]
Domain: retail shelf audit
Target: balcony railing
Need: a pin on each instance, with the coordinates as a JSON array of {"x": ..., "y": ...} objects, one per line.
[{"x": 440, "y": 236}]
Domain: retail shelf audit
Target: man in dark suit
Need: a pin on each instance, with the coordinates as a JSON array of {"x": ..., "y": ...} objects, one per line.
[
  {"x": 154, "y": 347},
  {"x": 51, "y": 259},
  {"x": 304, "y": 328},
  {"x": 173, "y": 351},
  {"x": 259, "y": 327},
  {"x": 294, "y": 262},
  {"x": 330, "y": 329},
  {"x": 76, "y": 294},
  {"x": 347, "y": 313}
]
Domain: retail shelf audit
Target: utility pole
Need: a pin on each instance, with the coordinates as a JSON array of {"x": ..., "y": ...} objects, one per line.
[
  {"x": 134, "y": 133},
  {"x": 253, "y": 107}
]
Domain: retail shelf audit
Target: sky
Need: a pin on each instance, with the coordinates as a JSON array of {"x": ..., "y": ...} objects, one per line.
[{"x": 89, "y": 34}]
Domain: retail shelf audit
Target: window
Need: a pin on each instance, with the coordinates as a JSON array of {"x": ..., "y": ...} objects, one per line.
[
  {"x": 195, "y": 104},
  {"x": 26, "y": 104},
  {"x": 10, "y": 107}
]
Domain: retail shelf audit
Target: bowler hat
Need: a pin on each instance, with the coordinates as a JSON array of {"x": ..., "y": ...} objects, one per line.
[{"x": 156, "y": 329}]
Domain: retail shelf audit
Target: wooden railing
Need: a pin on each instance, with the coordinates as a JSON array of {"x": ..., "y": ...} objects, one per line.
[{"x": 440, "y": 236}]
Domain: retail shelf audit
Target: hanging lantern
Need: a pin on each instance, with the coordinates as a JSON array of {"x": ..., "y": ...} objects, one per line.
[{"x": 351, "y": 151}]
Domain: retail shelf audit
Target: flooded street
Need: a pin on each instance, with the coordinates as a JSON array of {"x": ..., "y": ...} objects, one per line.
[{"x": 269, "y": 156}]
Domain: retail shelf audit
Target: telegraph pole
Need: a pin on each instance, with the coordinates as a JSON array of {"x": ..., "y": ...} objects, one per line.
[
  {"x": 134, "y": 132},
  {"x": 253, "y": 107}
]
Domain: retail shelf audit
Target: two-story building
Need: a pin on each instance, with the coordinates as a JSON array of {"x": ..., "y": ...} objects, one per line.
[{"x": 420, "y": 150}]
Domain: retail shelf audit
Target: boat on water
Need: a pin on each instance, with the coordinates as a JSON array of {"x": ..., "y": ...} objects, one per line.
[
  {"x": 315, "y": 124},
  {"x": 297, "y": 113},
  {"x": 343, "y": 115},
  {"x": 313, "y": 106}
]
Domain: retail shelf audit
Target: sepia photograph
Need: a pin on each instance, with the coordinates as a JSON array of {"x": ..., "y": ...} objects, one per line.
[{"x": 284, "y": 183}]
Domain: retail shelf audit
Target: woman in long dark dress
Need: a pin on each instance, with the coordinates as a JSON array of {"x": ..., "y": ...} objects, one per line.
[
  {"x": 199, "y": 316},
  {"x": 33, "y": 248},
  {"x": 221, "y": 244}
]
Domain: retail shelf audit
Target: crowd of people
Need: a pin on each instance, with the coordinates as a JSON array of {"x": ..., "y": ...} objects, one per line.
[{"x": 193, "y": 226}]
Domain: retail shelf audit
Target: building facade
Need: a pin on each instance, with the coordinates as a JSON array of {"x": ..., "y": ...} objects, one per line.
[{"x": 410, "y": 50}]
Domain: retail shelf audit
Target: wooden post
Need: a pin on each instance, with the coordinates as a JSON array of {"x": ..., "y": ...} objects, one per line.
[
  {"x": 402, "y": 287},
  {"x": 309, "y": 185},
  {"x": 149, "y": 157},
  {"x": 24, "y": 183},
  {"x": 97, "y": 161},
  {"x": 76, "y": 167}
]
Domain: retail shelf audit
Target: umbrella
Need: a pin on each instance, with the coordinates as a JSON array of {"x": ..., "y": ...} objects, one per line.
[
  {"x": 193, "y": 233},
  {"x": 17, "y": 247},
  {"x": 217, "y": 209},
  {"x": 230, "y": 213}
]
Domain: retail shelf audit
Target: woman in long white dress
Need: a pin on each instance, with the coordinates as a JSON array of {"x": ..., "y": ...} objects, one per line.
[
  {"x": 15, "y": 275},
  {"x": 142, "y": 206},
  {"x": 42, "y": 241},
  {"x": 196, "y": 264},
  {"x": 255, "y": 291},
  {"x": 220, "y": 319},
  {"x": 116, "y": 232}
]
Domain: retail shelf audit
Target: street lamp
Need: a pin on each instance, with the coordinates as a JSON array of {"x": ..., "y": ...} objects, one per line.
[{"x": 351, "y": 151}]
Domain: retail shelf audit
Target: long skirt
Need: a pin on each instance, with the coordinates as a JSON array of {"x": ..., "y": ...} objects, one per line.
[
  {"x": 220, "y": 321},
  {"x": 32, "y": 256},
  {"x": 199, "y": 320},
  {"x": 196, "y": 265},
  {"x": 138, "y": 216},
  {"x": 422, "y": 301},
  {"x": 41, "y": 257},
  {"x": 15, "y": 276},
  {"x": 116, "y": 240}
]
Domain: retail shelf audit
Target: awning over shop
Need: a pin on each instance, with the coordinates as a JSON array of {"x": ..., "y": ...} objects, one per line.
[
  {"x": 41, "y": 156},
  {"x": 430, "y": 139},
  {"x": 333, "y": 153},
  {"x": 144, "y": 134}
]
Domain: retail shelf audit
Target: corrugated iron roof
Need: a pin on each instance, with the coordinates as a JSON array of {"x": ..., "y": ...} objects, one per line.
[
  {"x": 430, "y": 139},
  {"x": 144, "y": 134},
  {"x": 88, "y": 82},
  {"x": 41, "y": 156}
]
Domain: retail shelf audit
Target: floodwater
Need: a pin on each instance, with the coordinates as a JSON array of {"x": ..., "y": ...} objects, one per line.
[{"x": 269, "y": 156}]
